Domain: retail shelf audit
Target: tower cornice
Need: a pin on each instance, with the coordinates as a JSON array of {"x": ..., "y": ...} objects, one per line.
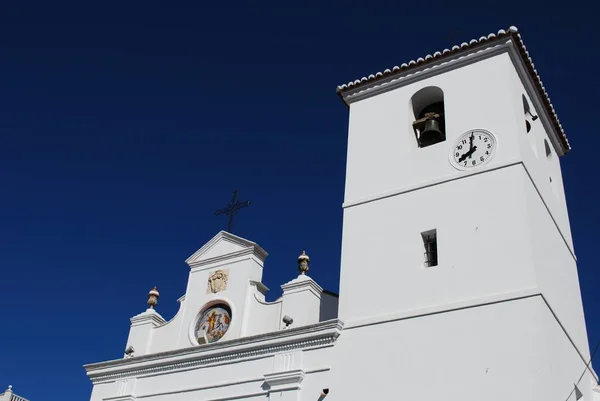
[{"x": 508, "y": 41}]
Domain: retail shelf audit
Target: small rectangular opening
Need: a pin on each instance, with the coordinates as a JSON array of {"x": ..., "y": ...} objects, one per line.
[{"x": 430, "y": 247}]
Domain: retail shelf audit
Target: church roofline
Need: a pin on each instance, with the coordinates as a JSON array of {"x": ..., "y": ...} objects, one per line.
[
  {"x": 315, "y": 335},
  {"x": 12, "y": 395},
  {"x": 512, "y": 33},
  {"x": 250, "y": 246}
]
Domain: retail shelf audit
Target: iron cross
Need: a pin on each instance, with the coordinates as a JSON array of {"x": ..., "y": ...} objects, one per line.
[{"x": 232, "y": 208}]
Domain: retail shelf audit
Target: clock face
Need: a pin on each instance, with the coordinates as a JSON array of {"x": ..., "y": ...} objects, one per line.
[{"x": 473, "y": 149}]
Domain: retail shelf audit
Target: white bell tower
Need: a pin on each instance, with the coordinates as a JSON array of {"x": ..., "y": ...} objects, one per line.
[{"x": 454, "y": 196}]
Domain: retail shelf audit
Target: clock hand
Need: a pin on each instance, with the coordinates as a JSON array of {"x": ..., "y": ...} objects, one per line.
[
  {"x": 472, "y": 151},
  {"x": 471, "y": 144},
  {"x": 464, "y": 156},
  {"x": 467, "y": 154}
]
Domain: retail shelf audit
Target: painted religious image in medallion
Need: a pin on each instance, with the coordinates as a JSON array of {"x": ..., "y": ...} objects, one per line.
[
  {"x": 213, "y": 323},
  {"x": 217, "y": 281}
]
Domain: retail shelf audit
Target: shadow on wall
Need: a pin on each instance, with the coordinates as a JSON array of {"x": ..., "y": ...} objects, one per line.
[{"x": 329, "y": 306}]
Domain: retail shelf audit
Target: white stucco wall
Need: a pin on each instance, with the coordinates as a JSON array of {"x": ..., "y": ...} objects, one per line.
[
  {"x": 301, "y": 300},
  {"x": 143, "y": 326},
  {"x": 263, "y": 316},
  {"x": 544, "y": 170},
  {"x": 555, "y": 269},
  {"x": 502, "y": 229},
  {"x": 241, "y": 270},
  {"x": 243, "y": 262},
  {"x": 163, "y": 338},
  {"x": 484, "y": 246},
  {"x": 329, "y": 306},
  {"x": 383, "y": 155},
  {"x": 281, "y": 366},
  {"x": 505, "y": 351}
]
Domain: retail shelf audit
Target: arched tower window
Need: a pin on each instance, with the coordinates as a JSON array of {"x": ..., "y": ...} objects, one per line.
[
  {"x": 547, "y": 148},
  {"x": 529, "y": 117},
  {"x": 428, "y": 109}
]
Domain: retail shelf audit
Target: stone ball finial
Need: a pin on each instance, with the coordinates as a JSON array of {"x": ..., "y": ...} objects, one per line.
[
  {"x": 303, "y": 263},
  {"x": 153, "y": 296},
  {"x": 9, "y": 387}
]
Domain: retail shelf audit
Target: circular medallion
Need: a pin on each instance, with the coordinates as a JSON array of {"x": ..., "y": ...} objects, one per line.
[
  {"x": 473, "y": 149},
  {"x": 213, "y": 323}
]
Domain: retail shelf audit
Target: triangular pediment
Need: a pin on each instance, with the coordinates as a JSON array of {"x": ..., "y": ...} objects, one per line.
[{"x": 225, "y": 245}]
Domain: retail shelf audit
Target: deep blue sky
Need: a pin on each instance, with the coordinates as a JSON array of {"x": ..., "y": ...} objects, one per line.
[{"x": 124, "y": 125}]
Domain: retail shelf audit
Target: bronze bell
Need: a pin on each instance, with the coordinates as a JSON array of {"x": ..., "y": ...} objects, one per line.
[{"x": 431, "y": 133}]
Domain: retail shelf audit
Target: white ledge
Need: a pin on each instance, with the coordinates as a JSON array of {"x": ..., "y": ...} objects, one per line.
[
  {"x": 442, "y": 308},
  {"x": 315, "y": 335},
  {"x": 455, "y": 175},
  {"x": 120, "y": 398},
  {"x": 300, "y": 282},
  {"x": 289, "y": 380},
  {"x": 149, "y": 315}
]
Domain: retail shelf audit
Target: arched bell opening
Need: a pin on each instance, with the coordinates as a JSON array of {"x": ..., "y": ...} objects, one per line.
[
  {"x": 547, "y": 149},
  {"x": 428, "y": 110},
  {"x": 529, "y": 116}
]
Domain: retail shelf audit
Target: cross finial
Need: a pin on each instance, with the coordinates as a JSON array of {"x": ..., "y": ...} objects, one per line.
[
  {"x": 153, "y": 296},
  {"x": 233, "y": 207},
  {"x": 303, "y": 263}
]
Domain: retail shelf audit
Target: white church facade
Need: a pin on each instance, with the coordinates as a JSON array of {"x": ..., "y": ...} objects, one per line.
[
  {"x": 9, "y": 395},
  {"x": 458, "y": 275}
]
